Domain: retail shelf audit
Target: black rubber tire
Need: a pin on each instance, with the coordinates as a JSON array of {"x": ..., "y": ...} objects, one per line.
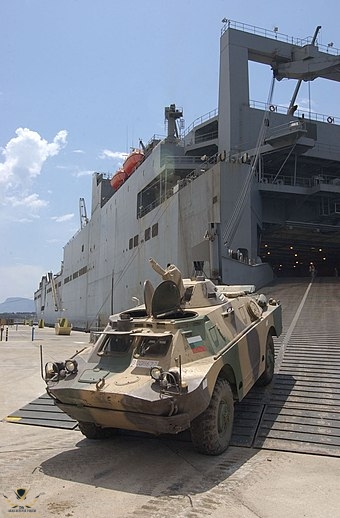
[
  {"x": 268, "y": 373},
  {"x": 211, "y": 431},
  {"x": 93, "y": 431}
]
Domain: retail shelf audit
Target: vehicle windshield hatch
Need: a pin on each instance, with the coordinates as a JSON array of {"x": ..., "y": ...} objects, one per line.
[
  {"x": 116, "y": 344},
  {"x": 151, "y": 346}
]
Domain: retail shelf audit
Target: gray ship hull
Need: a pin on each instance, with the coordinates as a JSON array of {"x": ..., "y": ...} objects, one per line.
[{"x": 232, "y": 198}]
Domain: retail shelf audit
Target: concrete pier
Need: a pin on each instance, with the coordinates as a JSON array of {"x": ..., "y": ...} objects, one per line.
[{"x": 134, "y": 475}]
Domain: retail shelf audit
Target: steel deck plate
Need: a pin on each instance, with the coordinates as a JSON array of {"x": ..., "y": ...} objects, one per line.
[
  {"x": 42, "y": 412},
  {"x": 303, "y": 413}
]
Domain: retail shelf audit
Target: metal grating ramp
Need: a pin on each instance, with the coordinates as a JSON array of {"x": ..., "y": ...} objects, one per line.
[
  {"x": 303, "y": 413},
  {"x": 247, "y": 417},
  {"x": 42, "y": 412}
]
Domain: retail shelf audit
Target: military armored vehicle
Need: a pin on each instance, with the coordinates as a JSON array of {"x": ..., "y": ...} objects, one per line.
[{"x": 177, "y": 362}]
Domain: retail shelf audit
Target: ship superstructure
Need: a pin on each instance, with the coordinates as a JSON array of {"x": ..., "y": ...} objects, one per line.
[{"x": 237, "y": 196}]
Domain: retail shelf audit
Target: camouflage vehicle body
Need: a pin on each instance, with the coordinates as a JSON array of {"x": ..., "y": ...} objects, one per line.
[{"x": 179, "y": 361}]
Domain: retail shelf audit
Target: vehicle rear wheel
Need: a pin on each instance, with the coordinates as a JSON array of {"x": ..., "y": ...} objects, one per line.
[
  {"x": 93, "y": 431},
  {"x": 268, "y": 372},
  {"x": 211, "y": 431}
]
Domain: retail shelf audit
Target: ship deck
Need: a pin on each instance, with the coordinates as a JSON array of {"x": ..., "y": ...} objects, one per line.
[{"x": 300, "y": 410}]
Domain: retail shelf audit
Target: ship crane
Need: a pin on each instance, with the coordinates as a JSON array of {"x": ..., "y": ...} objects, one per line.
[
  {"x": 82, "y": 212},
  {"x": 55, "y": 292},
  {"x": 307, "y": 63},
  {"x": 292, "y": 108}
]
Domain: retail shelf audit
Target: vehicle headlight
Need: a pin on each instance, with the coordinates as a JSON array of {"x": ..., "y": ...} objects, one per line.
[
  {"x": 54, "y": 370},
  {"x": 156, "y": 373},
  {"x": 71, "y": 366},
  {"x": 50, "y": 370}
]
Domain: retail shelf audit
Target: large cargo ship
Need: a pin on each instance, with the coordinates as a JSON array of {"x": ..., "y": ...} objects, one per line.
[{"x": 248, "y": 191}]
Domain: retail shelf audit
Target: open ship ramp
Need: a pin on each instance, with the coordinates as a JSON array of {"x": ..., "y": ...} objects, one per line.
[{"x": 300, "y": 410}]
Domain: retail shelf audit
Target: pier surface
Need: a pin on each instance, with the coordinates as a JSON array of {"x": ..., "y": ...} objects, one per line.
[{"x": 284, "y": 457}]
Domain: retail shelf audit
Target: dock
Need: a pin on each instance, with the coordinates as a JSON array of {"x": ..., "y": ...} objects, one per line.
[{"x": 285, "y": 445}]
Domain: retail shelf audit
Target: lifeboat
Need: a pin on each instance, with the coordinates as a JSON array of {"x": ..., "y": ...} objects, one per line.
[
  {"x": 135, "y": 158},
  {"x": 118, "y": 179}
]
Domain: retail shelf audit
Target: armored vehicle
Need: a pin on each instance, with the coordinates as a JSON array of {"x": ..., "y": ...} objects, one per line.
[{"x": 177, "y": 362}]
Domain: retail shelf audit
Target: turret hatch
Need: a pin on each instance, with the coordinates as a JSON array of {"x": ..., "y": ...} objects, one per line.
[{"x": 166, "y": 299}]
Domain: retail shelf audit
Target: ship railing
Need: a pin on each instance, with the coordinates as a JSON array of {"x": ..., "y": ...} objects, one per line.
[
  {"x": 196, "y": 173},
  {"x": 198, "y": 139},
  {"x": 155, "y": 138},
  {"x": 239, "y": 256},
  {"x": 181, "y": 160},
  {"x": 200, "y": 120},
  {"x": 300, "y": 181},
  {"x": 276, "y": 35},
  {"x": 288, "y": 127},
  {"x": 277, "y": 108},
  {"x": 212, "y": 135},
  {"x": 300, "y": 114}
]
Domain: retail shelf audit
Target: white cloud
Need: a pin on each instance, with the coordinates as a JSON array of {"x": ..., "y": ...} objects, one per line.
[
  {"x": 78, "y": 151},
  {"x": 32, "y": 201},
  {"x": 62, "y": 219},
  {"x": 22, "y": 220},
  {"x": 116, "y": 155},
  {"x": 24, "y": 157},
  {"x": 26, "y": 153}
]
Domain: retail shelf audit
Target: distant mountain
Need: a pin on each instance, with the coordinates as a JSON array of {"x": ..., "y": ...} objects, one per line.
[{"x": 17, "y": 305}]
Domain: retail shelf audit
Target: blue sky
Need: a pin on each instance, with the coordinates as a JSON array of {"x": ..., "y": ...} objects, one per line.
[{"x": 82, "y": 80}]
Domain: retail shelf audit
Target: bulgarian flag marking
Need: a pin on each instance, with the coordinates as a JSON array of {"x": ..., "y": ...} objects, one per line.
[{"x": 196, "y": 344}]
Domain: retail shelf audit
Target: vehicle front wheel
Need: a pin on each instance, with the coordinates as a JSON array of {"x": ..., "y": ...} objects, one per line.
[
  {"x": 268, "y": 372},
  {"x": 93, "y": 431},
  {"x": 211, "y": 431}
]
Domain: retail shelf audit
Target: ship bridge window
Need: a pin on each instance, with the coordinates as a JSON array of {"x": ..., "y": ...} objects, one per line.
[
  {"x": 116, "y": 344},
  {"x": 151, "y": 346},
  {"x": 159, "y": 190}
]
